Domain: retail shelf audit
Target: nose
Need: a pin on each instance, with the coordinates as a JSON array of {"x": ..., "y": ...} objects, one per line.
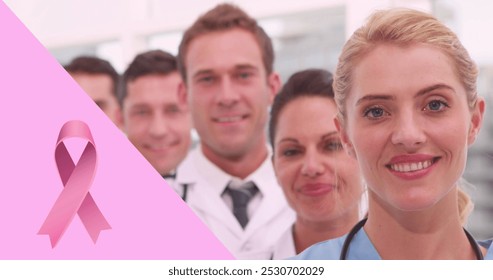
[
  {"x": 227, "y": 94},
  {"x": 159, "y": 126},
  {"x": 313, "y": 164},
  {"x": 408, "y": 131}
]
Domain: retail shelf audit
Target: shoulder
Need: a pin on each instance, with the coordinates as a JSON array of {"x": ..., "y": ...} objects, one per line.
[{"x": 326, "y": 250}]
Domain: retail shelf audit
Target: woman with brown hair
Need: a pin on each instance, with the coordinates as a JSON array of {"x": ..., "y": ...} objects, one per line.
[{"x": 320, "y": 181}]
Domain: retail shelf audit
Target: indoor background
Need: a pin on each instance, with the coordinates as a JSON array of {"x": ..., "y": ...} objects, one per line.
[{"x": 308, "y": 33}]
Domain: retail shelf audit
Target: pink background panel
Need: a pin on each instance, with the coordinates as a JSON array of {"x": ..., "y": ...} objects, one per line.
[{"x": 148, "y": 220}]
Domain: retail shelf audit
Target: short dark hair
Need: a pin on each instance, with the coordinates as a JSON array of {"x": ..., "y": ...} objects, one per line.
[
  {"x": 221, "y": 18},
  {"x": 147, "y": 63},
  {"x": 93, "y": 65},
  {"x": 310, "y": 82}
]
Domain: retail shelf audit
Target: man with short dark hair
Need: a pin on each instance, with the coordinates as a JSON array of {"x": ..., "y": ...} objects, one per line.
[
  {"x": 225, "y": 59},
  {"x": 155, "y": 121},
  {"x": 99, "y": 80}
]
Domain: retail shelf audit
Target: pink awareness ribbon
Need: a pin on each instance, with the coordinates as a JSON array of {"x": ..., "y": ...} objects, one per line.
[{"x": 77, "y": 180}]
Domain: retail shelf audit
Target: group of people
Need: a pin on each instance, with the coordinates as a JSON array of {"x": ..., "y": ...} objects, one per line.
[
  {"x": 365, "y": 164},
  {"x": 143, "y": 102}
]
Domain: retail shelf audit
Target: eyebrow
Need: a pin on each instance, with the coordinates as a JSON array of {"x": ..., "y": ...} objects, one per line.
[
  {"x": 371, "y": 97},
  {"x": 290, "y": 139},
  {"x": 330, "y": 134},
  {"x": 246, "y": 67},
  {"x": 202, "y": 72},
  {"x": 390, "y": 97},
  {"x": 434, "y": 87}
]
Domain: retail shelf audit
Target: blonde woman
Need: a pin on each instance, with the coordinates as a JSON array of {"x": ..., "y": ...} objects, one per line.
[{"x": 408, "y": 111}]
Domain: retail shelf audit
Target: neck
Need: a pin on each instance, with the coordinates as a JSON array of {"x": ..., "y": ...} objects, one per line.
[
  {"x": 307, "y": 233},
  {"x": 240, "y": 164},
  {"x": 433, "y": 233}
]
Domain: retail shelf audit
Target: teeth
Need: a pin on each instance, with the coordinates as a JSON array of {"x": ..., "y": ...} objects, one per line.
[
  {"x": 229, "y": 119},
  {"x": 410, "y": 167}
]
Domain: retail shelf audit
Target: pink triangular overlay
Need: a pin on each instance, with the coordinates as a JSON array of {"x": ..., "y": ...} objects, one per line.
[{"x": 148, "y": 220}]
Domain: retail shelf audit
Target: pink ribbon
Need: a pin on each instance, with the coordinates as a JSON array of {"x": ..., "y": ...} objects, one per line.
[{"x": 77, "y": 180}]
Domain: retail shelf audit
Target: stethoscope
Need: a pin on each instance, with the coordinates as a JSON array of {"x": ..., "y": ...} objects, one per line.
[{"x": 360, "y": 224}]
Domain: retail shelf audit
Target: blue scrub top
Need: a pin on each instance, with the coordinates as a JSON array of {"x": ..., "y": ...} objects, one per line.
[
  {"x": 488, "y": 244},
  {"x": 360, "y": 248}
]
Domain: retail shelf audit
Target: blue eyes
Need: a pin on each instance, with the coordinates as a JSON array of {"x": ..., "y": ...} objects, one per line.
[
  {"x": 436, "y": 105},
  {"x": 376, "y": 112}
]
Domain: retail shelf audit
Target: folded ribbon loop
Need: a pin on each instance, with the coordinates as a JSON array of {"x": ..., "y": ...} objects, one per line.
[{"x": 77, "y": 180}]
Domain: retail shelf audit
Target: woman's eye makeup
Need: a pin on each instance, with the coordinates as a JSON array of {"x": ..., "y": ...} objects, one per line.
[
  {"x": 290, "y": 152},
  {"x": 333, "y": 145},
  {"x": 436, "y": 105},
  {"x": 374, "y": 112}
]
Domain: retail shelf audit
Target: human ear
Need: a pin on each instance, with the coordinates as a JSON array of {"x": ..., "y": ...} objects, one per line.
[
  {"x": 272, "y": 158},
  {"x": 476, "y": 120},
  {"x": 182, "y": 93},
  {"x": 348, "y": 146},
  {"x": 274, "y": 83}
]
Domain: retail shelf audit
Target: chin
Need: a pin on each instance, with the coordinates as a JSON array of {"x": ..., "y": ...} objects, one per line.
[{"x": 318, "y": 212}]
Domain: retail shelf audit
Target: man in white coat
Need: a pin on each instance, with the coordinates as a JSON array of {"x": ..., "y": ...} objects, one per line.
[{"x": 226, "y": 62}]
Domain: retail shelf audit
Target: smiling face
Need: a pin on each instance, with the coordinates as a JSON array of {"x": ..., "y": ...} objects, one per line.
[
  {"x": 320, "y": 181},
  {"x": 156, "y": 122},
  {"x": 409, "y": 125},
  {"x": 229, "y": 92}
]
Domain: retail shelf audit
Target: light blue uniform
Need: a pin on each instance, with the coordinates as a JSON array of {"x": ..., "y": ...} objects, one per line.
[
  {"x": 360, "y": 248},
  {"x": 488, "y": 244}
]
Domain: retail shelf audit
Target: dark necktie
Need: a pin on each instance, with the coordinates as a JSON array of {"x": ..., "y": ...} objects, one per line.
[
  {"x": 185, "y": 186},
  {"x": 241, "y": 196}
]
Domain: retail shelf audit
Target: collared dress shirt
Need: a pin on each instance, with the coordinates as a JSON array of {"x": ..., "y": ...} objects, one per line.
[{"x": 269, "y": 214}]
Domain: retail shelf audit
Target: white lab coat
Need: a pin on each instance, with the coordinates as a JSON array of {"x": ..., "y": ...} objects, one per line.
[{"x": 205, "y": 186}]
